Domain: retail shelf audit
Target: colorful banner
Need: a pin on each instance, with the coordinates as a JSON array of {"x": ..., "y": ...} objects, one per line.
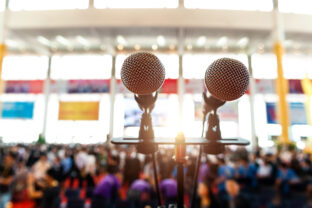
[
  {"x": 29, "y": 86},
  {"x": 294, "y": 86},
  {"x": 194, "y": 86},
  {"x": 227, "y": 112},
  {"x": 78, "y": 111},
  {"x": 88, "y": 86},
  {"x": 265, "y": 86},
  {"x": 297, "y": 113},
  {"x": 170, "y": 86},
  {"x": 17, "y": 110}
]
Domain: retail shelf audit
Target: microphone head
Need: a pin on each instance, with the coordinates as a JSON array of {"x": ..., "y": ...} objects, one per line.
[
  {"x": 142, "y": 73},
  {"x": 227, "y": 79}
]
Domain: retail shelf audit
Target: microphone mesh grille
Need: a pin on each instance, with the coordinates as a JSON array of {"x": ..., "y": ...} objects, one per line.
[
  {"x": 142, "y": 73},
  {"x": 227, "y": 79}
]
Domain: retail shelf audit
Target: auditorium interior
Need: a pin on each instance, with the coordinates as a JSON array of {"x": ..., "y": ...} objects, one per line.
[{"x": 65, "y": 107}]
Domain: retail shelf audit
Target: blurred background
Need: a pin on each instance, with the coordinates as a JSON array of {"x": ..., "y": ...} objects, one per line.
[
  {"x": 61, "y": 62},
  {"x": 61, "y": 53}
]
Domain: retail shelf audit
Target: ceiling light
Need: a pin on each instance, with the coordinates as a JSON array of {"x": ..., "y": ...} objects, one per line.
[
  {"x": 154, "y": 47},
  {"x": 43, "y": 40},
  {"x": 120, "y": 47},
  {"x": 189, "y": 47},
  {"x": 82, "y": 41},
  {"x": 62, "y": 40},
  {"x": 121, "y": 40},
  {"x": 11, "y": 43},
  {"x": 137, "y": 47},
  {"x": 243, "y": 42},
  {"x": 222, "y": 41},
  {"x": 103, "y": 47},
  {"x": 161, "y": 40},
  {"x": 201, "y": 41}
]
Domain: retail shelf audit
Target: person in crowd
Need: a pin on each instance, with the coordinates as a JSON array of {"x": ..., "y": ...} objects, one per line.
[
  {"x": 139, "y": 193},
  {"x": 224, "y": 172},
  {"x": 132, "y": 168},
  {"x": 19, "y": 193},
  {"x": 234, "y": 198},
  {"x": 40, "y": 167},
  {"x": 58, "y": 169},
  {"x": 206, "y": 198},
  {"x": 285, "y": 178},
  {"x": 90, "y": 169},
  {"x": 47, "y": 196},
  {"x": 67, "y": 163},
  {"x": 264, "y": 172},
  {"x": 81, "y": 161},
  {"x": 6, "y": 179},
  {"x": 246, "y": 175},
  {"x": 107, "y": 192},
  {"x": 168, "y": 188}
]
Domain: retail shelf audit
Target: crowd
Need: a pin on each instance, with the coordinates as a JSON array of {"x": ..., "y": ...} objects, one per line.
[{"x": 96, "y": 176}]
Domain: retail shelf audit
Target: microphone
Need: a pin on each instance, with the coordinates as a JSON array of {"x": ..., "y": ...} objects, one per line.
[
  {"x": 142, "y": 73},
  {"x": 227, "y": 79}
]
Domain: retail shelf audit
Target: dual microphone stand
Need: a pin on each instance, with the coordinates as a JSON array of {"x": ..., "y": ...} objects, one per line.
[{"x": 147, "y": 144}]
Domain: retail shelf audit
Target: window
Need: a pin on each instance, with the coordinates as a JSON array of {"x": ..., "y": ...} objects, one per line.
[
  {"x": 17, "y": 5},
  {"x": 81, "y": 67},
  {"x": 25, "y": 67},
  {"x": 100, "y": 4},
  {"x": 299, "y": 6},
  {"x": 261, "y": 5}
]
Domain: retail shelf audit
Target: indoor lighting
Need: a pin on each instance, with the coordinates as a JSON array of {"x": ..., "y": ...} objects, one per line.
[
  {"x": 120, "y": 47},
  {"x": 171, "y": 47},
  {"x": 201, "y": 41},
  {"x": 11, "y": 43},
  {"x": 154, "y": 47},
  {"x": 189, "y": 47},
  {"x": 43, "y": 40},
  {"x": 137, "y": 47},
  {"x": 161, "y": 40},
  {"x": 243, "y": 42},
  {"x": 62, "y": 40},
  {"x": 222, "y": 41},
  {"x": 121, "y": 40},
  {"x": 82, "y": 40}
]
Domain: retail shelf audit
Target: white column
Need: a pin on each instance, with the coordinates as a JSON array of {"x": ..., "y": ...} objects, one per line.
[
  {"x": 252, "y": 92},
  {"x": 47, "y": 91},
  {"x": 112, "y": 98}
]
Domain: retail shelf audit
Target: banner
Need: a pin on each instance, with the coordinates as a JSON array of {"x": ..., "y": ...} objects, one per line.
[
  {"x": 297, "y": 113},
  {"x": 88, "y": 86},
  {"x": 133, "y": 113},
  {"x": 265, "y": 86},
  {"x": 170, "y": 86},
  {"x": 17, "y": 110},
  {"x": 29, "y": 86},
  {"x": 194, "y": 86},
  {"x": 227, "y": 112},
  {"x": 78, "y": 111},
  {"x": 294, "y": 86}
]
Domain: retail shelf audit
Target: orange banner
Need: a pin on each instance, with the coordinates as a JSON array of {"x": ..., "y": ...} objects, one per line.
[{"x": 79, "y": 111}]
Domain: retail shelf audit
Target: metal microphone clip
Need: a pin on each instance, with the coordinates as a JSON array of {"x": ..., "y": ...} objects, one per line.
[
  {"x": 146, "y": 132},
  {"x": 213, "y": 133}
]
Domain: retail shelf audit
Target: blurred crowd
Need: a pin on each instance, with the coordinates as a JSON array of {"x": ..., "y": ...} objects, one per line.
[{"x": 104, "y": 176}]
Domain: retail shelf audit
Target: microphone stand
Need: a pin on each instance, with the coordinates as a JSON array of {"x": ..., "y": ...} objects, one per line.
[
  {"x": 212, "y": 143},
  {"x": 146, "y": 133},
  {"x": 213, "y": 133}
]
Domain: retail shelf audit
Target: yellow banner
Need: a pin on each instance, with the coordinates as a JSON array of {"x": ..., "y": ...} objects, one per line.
[{"x": 79, "y": 111}]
